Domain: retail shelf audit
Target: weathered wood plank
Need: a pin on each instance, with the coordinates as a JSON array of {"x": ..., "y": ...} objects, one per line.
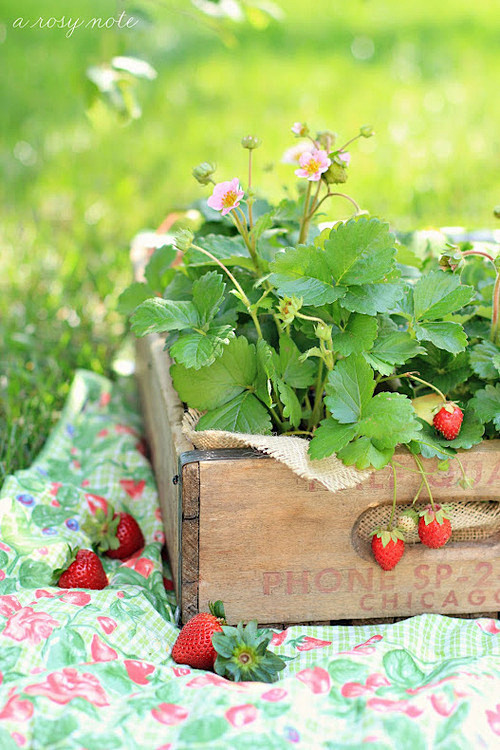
[{"x": 279, "y": 547}]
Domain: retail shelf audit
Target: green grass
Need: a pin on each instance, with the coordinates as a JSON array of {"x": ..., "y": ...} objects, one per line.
[{"x": 75, "y": 190}]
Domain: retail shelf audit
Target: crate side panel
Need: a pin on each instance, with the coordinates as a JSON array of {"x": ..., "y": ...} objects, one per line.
[
  {"x": 280, "y": 548},
  {"x": 162, "y": 413}
]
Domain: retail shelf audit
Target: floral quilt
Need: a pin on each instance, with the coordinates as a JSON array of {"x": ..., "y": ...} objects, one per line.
[{"x": 92, "y": 669}]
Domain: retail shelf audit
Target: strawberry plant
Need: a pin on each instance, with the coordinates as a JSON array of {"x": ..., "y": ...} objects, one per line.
[{"x": 278, "y": 322}]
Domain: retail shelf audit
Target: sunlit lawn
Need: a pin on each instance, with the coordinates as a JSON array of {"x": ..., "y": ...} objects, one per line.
[{"x": 76, "y": 189}]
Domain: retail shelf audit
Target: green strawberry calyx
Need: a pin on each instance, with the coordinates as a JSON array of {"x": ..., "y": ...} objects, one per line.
[
  {"x": 217, "y": 610},
  {"x": 438, "y": 514},
  {"x": 242, "y": 654},
  {"x": 102, "y": 528},
  {"x": 70, "y": 559},
  {"x": 388, "y": 535}
]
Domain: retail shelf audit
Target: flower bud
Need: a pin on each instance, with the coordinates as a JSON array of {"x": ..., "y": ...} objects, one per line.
[
  {"x": 326, "y": 139},
  {"x": 323, "y": 331},
  {"x": 251, "y": 142},
  {"x": 300, "y": 129},
  {"x": 366, "y": 131},
  {"x": 184, "y": 239},
  {"x": 451, "y": 259},
  {"x": 203, "y": 172},
  {"x": 287, "y": 307}
]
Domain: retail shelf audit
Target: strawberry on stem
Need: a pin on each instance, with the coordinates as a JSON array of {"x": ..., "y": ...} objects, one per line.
[
  {"x": 434, "y": 527},
  {"x": 117, "y": 535},
  {"x": 84, "y": 571},
  {"x": 388, "y": 544},
  {"x": 448, "y": 420},
  {"x": 194, "y": 643}
]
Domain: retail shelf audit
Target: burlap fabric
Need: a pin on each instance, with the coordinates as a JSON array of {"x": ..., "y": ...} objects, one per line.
[
  {"x": 287, "y": 449},
  {"x": 471, "y": 521}
]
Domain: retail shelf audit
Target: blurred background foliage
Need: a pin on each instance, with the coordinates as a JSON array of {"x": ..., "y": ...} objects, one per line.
[{"x": 81, "y": 177}]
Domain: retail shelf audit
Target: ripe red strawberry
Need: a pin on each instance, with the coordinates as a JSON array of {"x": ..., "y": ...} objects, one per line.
[
  {"x": 194, "y": 643},
  {"x": 448, "y": 420},
  {"x": 387, "y": 547},
  {"x": 84, "y": 572},
  {"x": 117, "y": 535},
  {"x": 434, "y": 527}
]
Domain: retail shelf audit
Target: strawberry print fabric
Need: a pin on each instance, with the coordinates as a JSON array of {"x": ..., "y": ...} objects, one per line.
[{"x": 92, "y": 669}]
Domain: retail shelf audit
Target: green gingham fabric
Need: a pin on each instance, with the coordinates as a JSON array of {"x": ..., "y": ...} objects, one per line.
[{"x": 92, "y": 669}]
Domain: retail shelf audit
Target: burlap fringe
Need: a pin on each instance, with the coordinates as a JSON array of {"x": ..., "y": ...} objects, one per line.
[
  {"x": 287, "y": 449},
  {"x": 471, "y": 521}
]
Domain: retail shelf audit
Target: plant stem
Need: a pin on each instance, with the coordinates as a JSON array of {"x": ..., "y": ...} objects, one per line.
[
  {"x": 394, "y": 495},
  {"x": 249, "y": 202},
  {"x": 338, "y": 195},
  {"x": 348, "y": 143},
  {"x": 424, "y": 479},
  {"x": 414, "y": 377},
  {"x": 298, "y": 432},
  {"x": 243, "y": 296},
  {"x": 318, "y": 397},
  {"x": 495, "y": 318},
  {"x": 304, "y": 225}
]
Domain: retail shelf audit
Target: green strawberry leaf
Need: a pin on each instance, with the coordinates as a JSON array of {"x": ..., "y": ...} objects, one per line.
[
  {"x": 389, "y": 419},
  {"x": 230, "y": 250},
  {"x": 158, "y": 315},
  {"x": 363, "y": 453},
  {"x": 392, "y": 348},
  {"x": 245, "y": 413},
  {"x": 445, "y": 335},
  {"x": 208, "y": 293},
  {"x": 330, "y": 438},
  {"x": 360, "y": 251},
  {"x": 429, "y": 444},
  {"x": 349, "y": 389},
  {"x": 211, "y": 386},
  {"x": 358, "y": 335},
  {"x": 201, "y": 349},
  {"x": 370, "y": 299},
  {"x": 438, "y": 293},
  {"x": 159, "y": 271},
  {"x": 304, "y": 272},
  {"x": 485, "y": 360},
  {"x": 288, "y": 364},
  {"x": 486, "y": 404},
  {"x": 132, "y": 296},
  {"x": 292, "y": 409},
  {"x": 445, "y": 370}
]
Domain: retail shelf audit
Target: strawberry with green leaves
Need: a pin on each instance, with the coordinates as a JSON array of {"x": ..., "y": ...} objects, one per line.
[
  {"x": 84, "y": 571},
  {"x": 388, "y": 547},
  {"x": 448, "y": 420},
  {"x": 117, "y": 535},
  {"x": 194, "y": 643},
  {"x": 434, "y": 527}
]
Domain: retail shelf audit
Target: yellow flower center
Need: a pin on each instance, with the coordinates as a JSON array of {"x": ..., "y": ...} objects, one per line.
[
  {"x": 229, "y": 199},
  {"x": 312, "y": 166}
]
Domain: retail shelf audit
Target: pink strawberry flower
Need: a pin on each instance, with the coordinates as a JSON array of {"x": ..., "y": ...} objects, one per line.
[
  {"x": 344, "y": 157},
  {"x": 239, "y": 716},
  {"x": 313, "y": 164},
  {"x": 28, "y": 625},
  {"x": 169, "y": 714},
  {"x": 292, "y": 155},
  {"x": 62, "y": 686},
  {"x": 138, "y": 671},
  {"x": 16, "y": 709},
  {"x": 299, "y": 128},
  {"x": 107, "y": 624},
  {"x": 494, "y": 719},
  {"x": 226, "y": 196},
  {"x": 101, "y": 651}
]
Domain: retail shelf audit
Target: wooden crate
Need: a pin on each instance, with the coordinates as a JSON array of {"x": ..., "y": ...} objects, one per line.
[{"x": 244, "y": 528}]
